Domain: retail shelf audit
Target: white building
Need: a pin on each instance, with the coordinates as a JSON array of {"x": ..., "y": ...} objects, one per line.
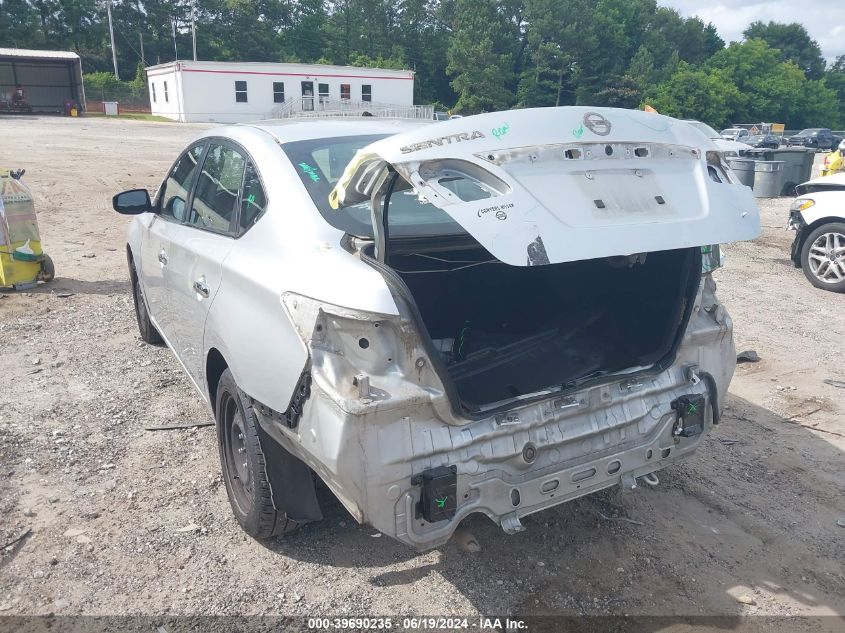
[{"x": 229, "y": 92}]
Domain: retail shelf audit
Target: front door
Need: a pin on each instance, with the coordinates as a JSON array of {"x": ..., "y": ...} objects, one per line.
[
  {"x": 198, "y": 249},
  {"x": 155, "y": 244},
  {"x": 307, "y": 95}
]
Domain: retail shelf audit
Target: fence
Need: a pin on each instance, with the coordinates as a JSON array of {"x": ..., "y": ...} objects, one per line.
[{"x": 130, "y": 98}]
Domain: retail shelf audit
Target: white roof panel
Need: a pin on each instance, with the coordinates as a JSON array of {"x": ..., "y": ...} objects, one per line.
[{"x": 34, "y": 54}]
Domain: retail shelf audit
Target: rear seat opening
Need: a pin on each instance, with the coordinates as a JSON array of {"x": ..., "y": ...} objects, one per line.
[{"x": 509, "y": 331}]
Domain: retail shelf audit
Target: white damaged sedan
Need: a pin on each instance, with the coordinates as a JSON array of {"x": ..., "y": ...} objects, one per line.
[{"x": 492, "y": 314}]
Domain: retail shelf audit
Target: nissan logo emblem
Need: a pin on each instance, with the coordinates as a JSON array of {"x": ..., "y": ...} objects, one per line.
[{"x": 597, "y": 124}]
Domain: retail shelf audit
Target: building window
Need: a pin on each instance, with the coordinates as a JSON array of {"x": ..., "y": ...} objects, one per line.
[
  {"x": 323, "y": 91},
  {"x": 366, "y": 92},
  {"x": 278, "y": 92},
  {"x": 240, "y": 92},
  {"x": 153, "y": 89},
  {"x": 166, "y": 98},
  {"x": 345, "y": 92}
]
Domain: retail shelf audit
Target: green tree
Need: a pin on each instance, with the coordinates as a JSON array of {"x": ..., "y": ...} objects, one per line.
[
  {"x": 479, "y": 61},
  {"x": 821, "y": 107},
  {"x": 706, "y": 95},
  {"x": 620, "y": 92},
  {"x": 668, "y": 34},
  {"x": 771, "y": 90},
  {"x": 794, "y": 44},
  {"x": 834, "y": 78},
  {"x": 19, "y": 21}
]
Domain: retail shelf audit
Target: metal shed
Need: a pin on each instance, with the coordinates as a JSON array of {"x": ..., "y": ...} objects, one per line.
[{"x": 47, "y": 77}]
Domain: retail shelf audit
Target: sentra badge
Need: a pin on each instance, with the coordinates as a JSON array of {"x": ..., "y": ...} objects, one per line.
[{"x": 442, "y": 140}]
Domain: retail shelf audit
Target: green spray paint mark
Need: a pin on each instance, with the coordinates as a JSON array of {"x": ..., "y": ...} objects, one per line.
[
  {"x": 578, "y": 132},
  {"x": 691, "y": 408},
  {"x": 251, "y": 198},
  {"x": 311, "y": 171},
  {"x": 441, "y": 503},
  {"x": 500, "y": 131}
]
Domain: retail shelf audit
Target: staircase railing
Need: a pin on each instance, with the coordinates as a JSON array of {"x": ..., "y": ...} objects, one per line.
[{"x": 314, "y": 107}]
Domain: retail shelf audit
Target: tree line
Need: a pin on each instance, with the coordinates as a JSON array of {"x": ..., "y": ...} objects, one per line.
[{"x": 472, "y": 55}]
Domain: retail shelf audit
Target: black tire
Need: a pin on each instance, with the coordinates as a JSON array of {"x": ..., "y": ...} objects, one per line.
[
  {"x": 148, "y": 332},
  {"x": 819, "y": 269},
  {"x": 243, "y": 464}
]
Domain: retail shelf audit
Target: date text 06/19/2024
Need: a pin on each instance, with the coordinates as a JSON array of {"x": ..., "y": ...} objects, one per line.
[{"x": 422, "y": 623}]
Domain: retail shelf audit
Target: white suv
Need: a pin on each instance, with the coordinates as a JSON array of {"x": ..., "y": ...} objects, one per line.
[{"x": 492, "y": 314}]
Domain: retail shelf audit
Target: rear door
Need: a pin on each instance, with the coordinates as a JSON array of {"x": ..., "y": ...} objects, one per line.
[
  {"x": 552, "y": 185},
  {"x": 199, "y": 246},
  {"x": 172, "y": 201}
]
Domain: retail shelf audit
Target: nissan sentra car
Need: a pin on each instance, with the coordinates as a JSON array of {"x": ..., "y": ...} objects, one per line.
[{"x": 494, "y": 314}]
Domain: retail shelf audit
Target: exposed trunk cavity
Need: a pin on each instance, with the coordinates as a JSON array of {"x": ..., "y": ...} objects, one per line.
[{"x": 509, "y": 331}]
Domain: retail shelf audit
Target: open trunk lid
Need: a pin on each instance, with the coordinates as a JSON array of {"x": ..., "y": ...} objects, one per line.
[{"x": 565, "y": 184}]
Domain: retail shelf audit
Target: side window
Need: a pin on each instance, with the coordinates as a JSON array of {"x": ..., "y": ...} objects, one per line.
[
  {"x": 278, "y": 92},
  {"x": 240, "y": 92},
  {"x": 166, "y": 99},
  {"x": 323, "y": 91},
  {"x": 218, "y": 189},
  {"x": 153, "y": 88},
  {"x": 366, "y": 92},
  {"x": 174, "y": 195},
  {"x": 253, "y": 199},
  {"x": 345, "y": 91}
]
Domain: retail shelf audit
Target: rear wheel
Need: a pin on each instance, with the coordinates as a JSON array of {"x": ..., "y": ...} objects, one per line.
[
  {"x": 823, "y": 257},
  {"x": 148, "y": 332},
  {"x": 243, "y": 463}
]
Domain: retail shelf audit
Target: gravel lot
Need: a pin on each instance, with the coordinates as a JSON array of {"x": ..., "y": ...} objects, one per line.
[{"x": 126, "y": 521}]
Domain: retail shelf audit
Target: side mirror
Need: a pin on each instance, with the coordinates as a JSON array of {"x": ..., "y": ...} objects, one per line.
[{"x": 132, "y": 202}]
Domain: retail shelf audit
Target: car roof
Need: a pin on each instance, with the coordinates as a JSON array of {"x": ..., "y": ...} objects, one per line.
[{"x": 289, "y": 130}]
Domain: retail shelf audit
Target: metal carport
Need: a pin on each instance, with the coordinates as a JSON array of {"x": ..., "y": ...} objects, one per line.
[{"x": 48, "y": 77}]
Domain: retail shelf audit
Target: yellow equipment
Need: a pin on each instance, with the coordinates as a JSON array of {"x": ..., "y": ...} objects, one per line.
[
  {"x": 833, "y": 163},
  {"x": 22, "y": 262}
]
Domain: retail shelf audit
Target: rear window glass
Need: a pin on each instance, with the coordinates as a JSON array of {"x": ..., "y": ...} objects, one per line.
[{"x": 320, "y": 164}]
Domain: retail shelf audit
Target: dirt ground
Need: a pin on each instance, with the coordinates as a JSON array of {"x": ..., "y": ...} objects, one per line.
[{"x": 127, "y": 521}]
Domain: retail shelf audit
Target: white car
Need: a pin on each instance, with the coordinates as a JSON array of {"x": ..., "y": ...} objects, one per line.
[
  {"x": 734, "y": 134},
  {"x": 728, "y": 147},
  {"x": 492, "y": 314},
  {"x": 817, "y": 216}
]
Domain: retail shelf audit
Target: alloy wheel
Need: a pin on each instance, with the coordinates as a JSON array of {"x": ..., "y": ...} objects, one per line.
[{"x": 826, "y": 258}]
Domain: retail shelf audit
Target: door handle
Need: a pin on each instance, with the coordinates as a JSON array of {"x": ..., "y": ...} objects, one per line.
[
  {"x": 162, "y": 257},
  {"x": 200, "y": 287}
]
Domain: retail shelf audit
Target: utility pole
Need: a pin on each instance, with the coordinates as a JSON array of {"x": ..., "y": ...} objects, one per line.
[
  {"x": 175, "y": 49},
  {"x": 111, "y": 36},
  {"x": 143, "y": 59},
  {"x": 194, "y": 26}
]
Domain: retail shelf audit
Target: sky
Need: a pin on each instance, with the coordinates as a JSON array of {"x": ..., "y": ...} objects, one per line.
[{"x": 823, "y": 19}]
